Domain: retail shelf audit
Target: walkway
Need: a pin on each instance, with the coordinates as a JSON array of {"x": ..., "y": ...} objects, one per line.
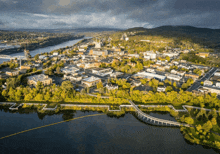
[{"x": 145, "y": 117}]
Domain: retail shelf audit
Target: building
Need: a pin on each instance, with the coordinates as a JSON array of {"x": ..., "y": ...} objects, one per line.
[
  {"x": 102, "y": 71},
  {"x": 212, "y": 90},
  {"x": 73, "y": 77},
  {"x": 134, "y": 55},
  {"x": 32, "y": 80},
  {"x": 98, "y": 52},
  {"x": 136, "y": 83},
  {"x": 193, "y": 76},
  {"x": 111, "y": 87},
  {"x": 161, "y": 89},
  {"x": 218, "y": 84},
  {"x": 217, "y": 73},
  {"x": 69, "y": 70},
  {"x": 150, "y": 75},
  {"x": 116, "y": 74},
  {"x": 25, "y": 67},
  {"x": 151, "y": 54},
  {"x": 12, "y": 73},
  {"x": 174, "y": 77},
  {"x": 91, "y": 81},
  {"x": 171, "y": 54},
  {"x": 203, "y": 54},
  {"x": 207, "y": 83},
  {"x": 55, "y": 54},
  {"x": 150, "y": 70}
]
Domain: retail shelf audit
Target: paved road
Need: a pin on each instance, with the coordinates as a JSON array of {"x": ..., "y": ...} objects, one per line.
[{"x": 196, "y": 84}]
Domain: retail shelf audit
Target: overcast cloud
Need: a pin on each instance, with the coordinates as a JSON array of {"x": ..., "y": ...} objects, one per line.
[{"x": 108, "y": 13}]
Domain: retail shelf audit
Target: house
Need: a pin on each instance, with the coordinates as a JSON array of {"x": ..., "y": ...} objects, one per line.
[
  {"x": 12, "y": 73},
  {"x": 73, "y": 77},
  {"x": 150, "y": 70},
  {"x": 203, "y": 54},
  {"x": 193, "y": 76},
  {"x": 55, "y": 54},
  {"x": 116, "y": 74},
  {"x": 90, "y": 81},
  {"x": 207, "y": 83},
  {"x": 218, "y": 84},
  {"x": 161, "y": 89},
  {"x": 111, "y": 87},
  {"x": 136, "y": 83},
  {"x": 151, "y": 54},
  {"x": 212, "y": 89},
  {"x": 32, "y": 80},
  {"x": 171, "y": 54}
]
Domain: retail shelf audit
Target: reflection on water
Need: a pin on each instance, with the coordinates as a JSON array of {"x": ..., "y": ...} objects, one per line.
[{"x": 99, "y": 134}]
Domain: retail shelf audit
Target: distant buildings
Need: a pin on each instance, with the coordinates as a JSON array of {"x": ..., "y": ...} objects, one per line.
[
  {"x": 203, "y": 54},
  {"x": 150, "y": 75}
]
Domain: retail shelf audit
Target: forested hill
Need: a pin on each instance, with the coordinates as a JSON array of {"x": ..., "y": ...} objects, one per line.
[{"x": 206, "y": 36}]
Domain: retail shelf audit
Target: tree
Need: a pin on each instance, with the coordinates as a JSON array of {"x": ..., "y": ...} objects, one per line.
[
  {"x": 189, "y": 120},
  {"x": 168, "y": 58},
  {"x": 39, "y": 97},
  {"x": 67, "y": 86},
  {"x": 213, "y": 121},
  {"x": 207, "y": 126},
  {"x": 4, "y": 93},
  {"x": 39, "y": 86},
  {"x": 174, "y": 84},
  {"x": 169, "y": 89},
  {"x": 99, "y": 85},
  {"x": 36, "y": 57},
  {"x": 58, "y": 70}
]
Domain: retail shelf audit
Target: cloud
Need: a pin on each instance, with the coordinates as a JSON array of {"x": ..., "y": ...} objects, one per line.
[{"x": 111, "y": 13}]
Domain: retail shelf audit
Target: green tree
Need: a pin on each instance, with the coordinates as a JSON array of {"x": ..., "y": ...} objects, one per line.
[
  {"x": 207, "y": 126},
  {"x": 58, "y": 70},
  {"x": 39, "y": 97},
  {"x": 189, "y": 120},
  {"x": 36, "y": 57},
  {"x": 67, "y": 86},
  {"x": 169, "y": 89},
  {"x": 99, "y": 85}
]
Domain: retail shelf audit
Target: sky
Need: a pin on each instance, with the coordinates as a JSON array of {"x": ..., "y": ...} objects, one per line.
[{"x": 123, "y": 14}]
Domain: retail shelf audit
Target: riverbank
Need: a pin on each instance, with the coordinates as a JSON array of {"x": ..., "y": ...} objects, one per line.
[{"x": 34, "y": 46}]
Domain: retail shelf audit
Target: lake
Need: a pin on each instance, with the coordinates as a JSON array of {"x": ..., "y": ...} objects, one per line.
[{"x": 98, "y": 134}]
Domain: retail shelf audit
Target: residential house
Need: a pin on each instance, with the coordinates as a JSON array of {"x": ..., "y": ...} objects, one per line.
[
  {"x": 161, "y": 89},
  {"x": 207, "y": 83},
  {"x": 203, "y": 54},
  {"x": 111, "y": 87},
  {"x": 12, "y": 73}
]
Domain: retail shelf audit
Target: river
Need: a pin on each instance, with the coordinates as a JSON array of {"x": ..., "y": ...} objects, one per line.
[
  {"x": 46, "y": 49},
  {"x": 98, "y": 134}
]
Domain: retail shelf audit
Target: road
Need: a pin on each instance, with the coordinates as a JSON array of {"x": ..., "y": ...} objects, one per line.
[{"x": 196, "y": 84}]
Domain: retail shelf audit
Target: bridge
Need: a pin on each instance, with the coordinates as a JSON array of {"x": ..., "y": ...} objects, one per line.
[{"x": 147, "y": 118}]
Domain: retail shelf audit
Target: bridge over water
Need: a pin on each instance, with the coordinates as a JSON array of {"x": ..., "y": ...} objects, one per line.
[{"x": 147, "y": 118}]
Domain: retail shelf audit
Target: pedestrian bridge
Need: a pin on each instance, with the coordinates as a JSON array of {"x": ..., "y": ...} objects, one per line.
[{"x": 147, "y": 118}]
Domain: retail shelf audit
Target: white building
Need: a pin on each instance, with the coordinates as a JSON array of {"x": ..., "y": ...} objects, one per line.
[
  {"x": 151, "y": 54},
  {"x": 161, "y": 89},
  {"x": 174, "y": 77},
  {"x": 134, "y": 55},
  {"x": 55, "y": 54},
  {"x": 102, "y": 71},
  {"x": 116, "y": 74},
  {"x": 218, "y": 84},
  {"x": 150, "y": 75},
  {"x": 69, "y": 70},
  {"x": 111, "y": 87},
  {"x": 207, "y": 83},
  {"x": 91, "y": 81},
  {"x": 150, "y": 70},
  {"x": 171, "y": 54},
  {"x": 217, "y": 73}
]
